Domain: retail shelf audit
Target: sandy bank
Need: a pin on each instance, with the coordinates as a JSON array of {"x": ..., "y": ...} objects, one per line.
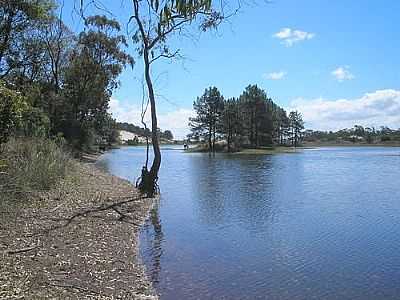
[{"x": 77, "y": 241}]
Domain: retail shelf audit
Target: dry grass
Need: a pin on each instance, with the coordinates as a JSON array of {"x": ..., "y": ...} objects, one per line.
[{"x": 28, "y": 165}]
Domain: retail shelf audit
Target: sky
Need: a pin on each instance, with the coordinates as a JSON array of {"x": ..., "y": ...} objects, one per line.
[{"x": 337, "y": 62}]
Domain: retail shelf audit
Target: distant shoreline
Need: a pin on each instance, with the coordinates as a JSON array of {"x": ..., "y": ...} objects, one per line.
[
  {"x": 260, "y": 150},
  {"x": 321, "y": 145},
  {"x": 286, "y": 149}
]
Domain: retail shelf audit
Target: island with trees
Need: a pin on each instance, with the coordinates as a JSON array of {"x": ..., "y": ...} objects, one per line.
[{"x": 253, "y": 120}]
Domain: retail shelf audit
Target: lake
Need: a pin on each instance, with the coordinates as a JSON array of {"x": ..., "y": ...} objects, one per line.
[{"x": 318, "y": 224}]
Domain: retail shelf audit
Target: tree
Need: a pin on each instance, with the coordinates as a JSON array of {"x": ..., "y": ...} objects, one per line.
[
  {"x": 91, "y": 77},
  {"x": 208, "y": 109},
  {"x": 231, "y": 121},
  {"x": 281, "y": 126},
  {"x": 369, "y": 134},
  {"x": 156, "y": 21},
  {"x": 167, "y": 134},
  {"x": 59, "y": 45},
  {"x": 19, "y": 20},
  {"x": 258, "y": 121},
  {"x": 252, "y": 120},
  {"x": 12, "y": 105},
  {"x": 296, "y": 127}
]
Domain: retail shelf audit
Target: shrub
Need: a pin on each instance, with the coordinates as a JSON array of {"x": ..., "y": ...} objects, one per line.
[
  {"x": 12, "y": 105},
  {"x": 31, "y": 164},
  {"x": 34, "y": 123},
  {"x": 385, "y": 138}
]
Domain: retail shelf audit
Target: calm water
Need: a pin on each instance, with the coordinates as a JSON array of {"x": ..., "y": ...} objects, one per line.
[{"x": 321, "y": 224}]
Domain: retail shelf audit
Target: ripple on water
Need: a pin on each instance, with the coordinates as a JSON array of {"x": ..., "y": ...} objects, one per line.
[{"x": 322, "y": 224}]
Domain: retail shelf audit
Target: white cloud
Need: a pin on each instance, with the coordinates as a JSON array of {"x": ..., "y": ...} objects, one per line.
[
  {"x": 275, "y": 75},
  {"x": 342, "y": 73},
  {"x": 379, "y": 108},
  {"x": 176, "y": 121},
  {"x": 290, "y": 36}
]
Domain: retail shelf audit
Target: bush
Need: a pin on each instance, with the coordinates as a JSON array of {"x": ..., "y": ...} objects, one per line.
[
  {"x": 133, "y": 142},
  {"x": 385, "y": 138},
  {"x": 34, "y": 123},
  {"x": 12, "y": 105},
  {"x": 31, "y": 164}
]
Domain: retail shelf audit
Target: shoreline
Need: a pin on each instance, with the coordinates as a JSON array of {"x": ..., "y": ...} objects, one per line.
[
  {"x": 79, "y": 240},
  {"x": 350, "y": 145},
  {"x": 286, "y": 149},
  {"x": 251, "y": 151}
]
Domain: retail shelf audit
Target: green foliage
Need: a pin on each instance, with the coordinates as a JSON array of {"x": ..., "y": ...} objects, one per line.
[
  {"x": 89, "y": 81},
  {"x": 19, "y": 20},
  {"x": 31, "y": 164},
  {"x": 64, "y": 81},
  {"x": 252, "y": 120},
  {"x": 12, "y": 108},
  {"x": 167, "y": 134},
  {"x": 133, "y": 142},
  {"x": 297, "y": 127},
  {"x": 34, "y": 123},
  {"x": 257, "y": 108},
  {"x": 18, "y": 117},
  {"x": 133, "y": 128},
  {"x": 208, "y": 108},
  {"x": 357, "y": 134}
]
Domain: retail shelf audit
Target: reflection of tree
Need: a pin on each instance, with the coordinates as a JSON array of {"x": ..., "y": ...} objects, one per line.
[
  {"x": 207, "y": 192},
  {"x": 156, "y": 246},
  {"x": 253, "y": 193},
  {"x": 238, "y": 187}
]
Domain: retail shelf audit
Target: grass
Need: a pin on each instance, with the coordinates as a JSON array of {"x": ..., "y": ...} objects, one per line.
[{"x": 31, "y": 164}]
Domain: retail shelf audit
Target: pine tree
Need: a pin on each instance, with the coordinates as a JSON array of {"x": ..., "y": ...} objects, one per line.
[{"x": 209, "y": 108}]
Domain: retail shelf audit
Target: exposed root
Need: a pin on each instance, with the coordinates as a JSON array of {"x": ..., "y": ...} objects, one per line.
[{"x": 147, "y": 183}]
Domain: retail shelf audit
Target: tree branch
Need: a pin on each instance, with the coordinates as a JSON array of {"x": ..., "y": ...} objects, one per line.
[{"x": 166, "y": 55}]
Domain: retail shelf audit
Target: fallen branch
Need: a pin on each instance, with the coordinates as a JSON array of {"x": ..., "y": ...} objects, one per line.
[
  {"x": 22, "y": 250},
  {"x": 111, "y": 206}
]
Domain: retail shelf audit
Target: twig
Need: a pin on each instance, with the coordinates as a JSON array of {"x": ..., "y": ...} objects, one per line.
[{"x": 22, "y": 250}]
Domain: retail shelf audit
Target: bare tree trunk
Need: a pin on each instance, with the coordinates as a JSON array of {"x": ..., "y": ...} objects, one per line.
[
  {"x": 229, "y": 134},
  {"x": 209, "y": 137},
  {"x": 256, "y": 134},
  {"x": 251, "y": 138},
  {"x": 214, "y": 136},
  {"x": 148, "y": 182},
  {"x": 293, "y": 137},
  {"x": 150, "y": 178}
]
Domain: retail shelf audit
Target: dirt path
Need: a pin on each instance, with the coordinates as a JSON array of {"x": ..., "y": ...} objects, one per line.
[{"x": 78, "y": 241}]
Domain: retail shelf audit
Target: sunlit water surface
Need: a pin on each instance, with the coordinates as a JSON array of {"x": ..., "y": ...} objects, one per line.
[{"x": 320, "y": 224}]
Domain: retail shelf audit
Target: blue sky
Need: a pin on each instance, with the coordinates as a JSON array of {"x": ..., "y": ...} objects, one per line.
[{"x": 337, "y": 62}]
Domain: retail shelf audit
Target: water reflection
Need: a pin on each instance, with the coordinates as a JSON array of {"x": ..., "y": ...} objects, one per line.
[
  {"x": 153, "y": 239},
  {"x": 321, "y": 224}
]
